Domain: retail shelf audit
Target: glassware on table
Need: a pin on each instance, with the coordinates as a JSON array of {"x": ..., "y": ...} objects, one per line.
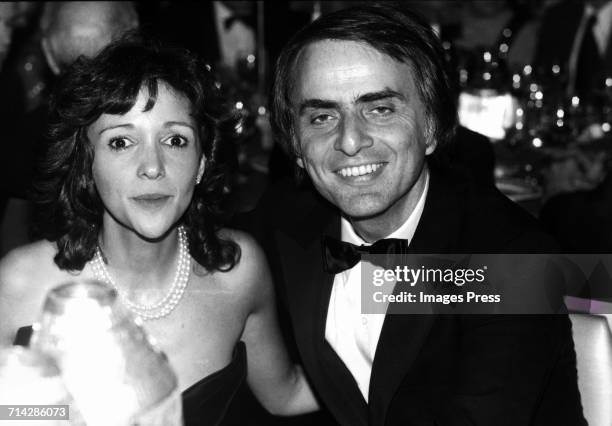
[{"x": 114, "y": 372}]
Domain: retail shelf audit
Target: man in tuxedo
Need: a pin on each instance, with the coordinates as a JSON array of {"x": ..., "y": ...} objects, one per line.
[
  {"x": 362, "y": 102},
  {"x": 575, "y": 36}
]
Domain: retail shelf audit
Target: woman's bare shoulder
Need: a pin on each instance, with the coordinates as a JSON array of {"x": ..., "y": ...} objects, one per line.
[
  {"x": 250, "y": 275},
  {"x": 31, "y": 269},
  {"x": 25, "y": 261}
]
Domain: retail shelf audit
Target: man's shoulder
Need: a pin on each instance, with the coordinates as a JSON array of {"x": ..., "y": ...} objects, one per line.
[{"x": 490, "y": 221}]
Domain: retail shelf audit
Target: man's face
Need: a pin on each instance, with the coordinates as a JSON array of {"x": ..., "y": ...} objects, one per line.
[{"x": 360, "y": 129}]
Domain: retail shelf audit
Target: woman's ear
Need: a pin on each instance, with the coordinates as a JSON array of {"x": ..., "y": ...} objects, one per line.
[{"x": 201, "y": 169}]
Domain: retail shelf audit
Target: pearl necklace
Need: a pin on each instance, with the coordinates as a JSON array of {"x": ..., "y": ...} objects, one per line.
[{"x": 167, "y": 304}]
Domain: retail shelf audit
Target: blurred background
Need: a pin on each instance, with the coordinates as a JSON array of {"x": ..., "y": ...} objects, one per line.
[{"x": 533, "y": 83}]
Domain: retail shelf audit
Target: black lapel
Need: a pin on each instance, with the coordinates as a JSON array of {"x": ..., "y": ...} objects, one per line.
[
  {"x": 403, "y": 335},
  {"x": 308, "y": 290}
]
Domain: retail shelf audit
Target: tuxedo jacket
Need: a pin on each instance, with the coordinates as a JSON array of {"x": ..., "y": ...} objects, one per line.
[{"x": 427, "y": 369}]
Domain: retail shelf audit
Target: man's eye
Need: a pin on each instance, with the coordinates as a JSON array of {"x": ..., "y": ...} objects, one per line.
[
  {"x": 119, "y": 143},
  {"x": 176, "y": 141},
  {"x": 321, "y": 118},
  {"x": 382, "y": 110}
]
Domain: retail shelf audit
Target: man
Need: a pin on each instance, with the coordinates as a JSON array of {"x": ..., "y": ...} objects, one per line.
[
  {"x": 575, "y": 36},
  {"x": 361, "y": 99},
  {"x": 72, "y": 29}
]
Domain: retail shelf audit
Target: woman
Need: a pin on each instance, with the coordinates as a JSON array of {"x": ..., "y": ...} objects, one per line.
[{"x": 131, "y": 193}]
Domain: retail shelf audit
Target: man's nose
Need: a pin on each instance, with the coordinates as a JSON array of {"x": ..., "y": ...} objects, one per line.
[
  {"x": 353, "y": 136},
  {"x": 151, "y": 164}
]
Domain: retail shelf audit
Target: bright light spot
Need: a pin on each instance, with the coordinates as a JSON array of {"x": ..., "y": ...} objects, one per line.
[
  {"x": 537, "y": 142},
  {"x": 533, "y": 87},
  {"x": 519, "y": 126},
  {"x": 575, "y": 101},
  {"x": 486, "y": 76},
  {"x": 539, "y": 95},
  {"x": 239, "y": 105},
  {"x": 519, "y": 112},
  {"x": 446, "y": 45},
  {"x": 606, "y": 127},
  {"x": 507, "y": 32},
  {"x": 217, "y": 84},
  {"x": 463, "y": 75},
  {"x": 556, "y": 69},
  {"x": 560, "y": 113},
  {"x": 487, "y": 56},
  {"x": 538, "y": 103},
  {"x": 251, "y": 58},
  {"x": 503, "y": 48},
  {"x": 527, "y": 69},
  {"x": 261, "y": 110},
  {"x": 559, "y": 123},
  {"x": 239, "y": 128},
  {"x": 608, "y": 81},
  {"x": 516, "y": 78},
  {"x": 208, "y": 67}
]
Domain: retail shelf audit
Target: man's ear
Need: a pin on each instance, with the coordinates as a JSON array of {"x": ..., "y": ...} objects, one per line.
[
  {"x": 430, "y": 139},
  {"x": 48, "y": 52},
  {"x": 430, "y": 146}
]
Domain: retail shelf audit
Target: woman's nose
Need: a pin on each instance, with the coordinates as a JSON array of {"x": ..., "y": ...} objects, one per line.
[{"x": 152, "y": 163}]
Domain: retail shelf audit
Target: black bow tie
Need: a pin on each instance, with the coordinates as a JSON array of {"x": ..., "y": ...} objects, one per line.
[{"x": 339, "y": 256}]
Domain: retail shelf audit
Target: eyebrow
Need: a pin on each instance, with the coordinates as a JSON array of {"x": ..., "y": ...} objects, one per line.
[
  {"x": 179, "y": 123},
  {"x": 378, "y": 96},
  {"x": 166, "y": 125},
  {"x": 365, "y": 98},
  {"x": 118, "y": 126}
]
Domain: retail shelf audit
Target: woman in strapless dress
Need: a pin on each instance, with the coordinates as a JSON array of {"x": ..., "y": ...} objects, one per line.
[{"x": 130, "y": 195}]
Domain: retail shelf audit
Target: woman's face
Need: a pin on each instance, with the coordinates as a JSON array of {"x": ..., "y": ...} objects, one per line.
[{"x": 146, "y": 163}]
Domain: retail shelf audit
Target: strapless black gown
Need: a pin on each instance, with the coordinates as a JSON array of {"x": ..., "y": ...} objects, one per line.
[{"x": 207, "y": 401}]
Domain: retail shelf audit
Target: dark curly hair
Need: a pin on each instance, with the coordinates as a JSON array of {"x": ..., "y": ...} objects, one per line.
[{"x": 70, "y": 209}]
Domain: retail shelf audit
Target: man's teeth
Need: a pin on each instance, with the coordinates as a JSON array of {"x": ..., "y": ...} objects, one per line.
[{"x": 359, "y": 170}]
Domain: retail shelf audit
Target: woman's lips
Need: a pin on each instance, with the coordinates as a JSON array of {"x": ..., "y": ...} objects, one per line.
[{"x": 151, "y": 201}]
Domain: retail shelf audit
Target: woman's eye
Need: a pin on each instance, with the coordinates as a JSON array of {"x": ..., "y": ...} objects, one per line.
[
  {"x": 176, "y": 141},
  {"x": 119, "y": 143}
]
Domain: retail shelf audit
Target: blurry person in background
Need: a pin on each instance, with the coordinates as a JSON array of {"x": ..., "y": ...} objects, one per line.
[
  {"x": 7, "y": 12},
  {"x": 575, "y": 35},
  {"x": 68, "y": 30},
  {"x": 72, "y": 29}
]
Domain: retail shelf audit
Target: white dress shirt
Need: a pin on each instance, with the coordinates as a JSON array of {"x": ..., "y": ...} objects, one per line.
[{"x": 353, "y": 335}]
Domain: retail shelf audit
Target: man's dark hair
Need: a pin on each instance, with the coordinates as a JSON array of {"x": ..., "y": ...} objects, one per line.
[
  {"x": 396, "y": 32},
  {"x": 71, "y": 209}
]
